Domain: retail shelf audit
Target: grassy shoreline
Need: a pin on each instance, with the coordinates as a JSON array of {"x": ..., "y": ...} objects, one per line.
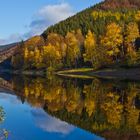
[
  {"x": 108, "y": 73},
  {"x": 86, "y": 73}
]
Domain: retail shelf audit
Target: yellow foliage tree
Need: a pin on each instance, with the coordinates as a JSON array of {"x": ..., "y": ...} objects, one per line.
[
  {"x": 131, "y": 34},
  {"x": 112, "y": 39},
  {"x": 73, "y": 50},
  {"x": 90, "y": 46},
  {"x": 51, "y": 56}
]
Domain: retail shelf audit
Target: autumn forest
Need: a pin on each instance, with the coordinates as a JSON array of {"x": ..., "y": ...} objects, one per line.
[{"x": 109, "y": 38}]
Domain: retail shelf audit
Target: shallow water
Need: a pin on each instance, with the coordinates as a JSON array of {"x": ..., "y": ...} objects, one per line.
[{"x": 55, "y": 108}]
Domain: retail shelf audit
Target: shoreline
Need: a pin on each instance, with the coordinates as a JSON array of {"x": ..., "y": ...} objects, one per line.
[
  {"x": 108, "y": 73},
  {"x": 85, "y": 73},
  {"x": 22, "y": 72}
]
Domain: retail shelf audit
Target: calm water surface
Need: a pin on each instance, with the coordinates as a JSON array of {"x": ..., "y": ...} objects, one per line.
[{"x": 55, "y": 108}]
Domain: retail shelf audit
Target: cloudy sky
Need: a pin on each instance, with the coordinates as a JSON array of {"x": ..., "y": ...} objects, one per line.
[{"x": 20, "y": 19}]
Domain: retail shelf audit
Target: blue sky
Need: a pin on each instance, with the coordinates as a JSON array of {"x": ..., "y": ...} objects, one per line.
[{"x": 20, "y": 19}]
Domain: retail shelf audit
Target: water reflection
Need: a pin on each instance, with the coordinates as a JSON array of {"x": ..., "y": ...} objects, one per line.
[
  {"x": 50, "y": 124},
  {"x": 108, "y": 109}
]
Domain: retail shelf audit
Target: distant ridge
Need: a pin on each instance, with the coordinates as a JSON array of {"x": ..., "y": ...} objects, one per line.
[
  {"x": 7, "y": 46},
  {"x": 113, "y": 4}
]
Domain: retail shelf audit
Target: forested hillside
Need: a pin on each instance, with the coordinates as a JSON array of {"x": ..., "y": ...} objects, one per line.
[
  {"x": 84, "y": 19},
  {"x": 106, "y": 34},
  {"x": 119, "y": 4}
]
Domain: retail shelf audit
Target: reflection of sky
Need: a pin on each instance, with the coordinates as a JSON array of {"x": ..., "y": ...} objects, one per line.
[
  {"x": 50, "y": 124},
  {"x": 12, "y": 99},
  {"x": 28, "y": 123}
]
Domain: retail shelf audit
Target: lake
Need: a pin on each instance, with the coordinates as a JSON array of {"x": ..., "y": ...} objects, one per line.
[{"x": 55, "y": 108}]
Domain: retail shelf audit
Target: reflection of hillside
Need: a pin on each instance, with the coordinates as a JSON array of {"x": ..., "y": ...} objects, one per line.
[
  {"x": 6, "y": 86},
  {"x": 110, "y": 110}
]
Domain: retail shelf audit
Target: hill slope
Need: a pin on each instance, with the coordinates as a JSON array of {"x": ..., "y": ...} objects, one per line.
[{"x": 84, "y": 20}]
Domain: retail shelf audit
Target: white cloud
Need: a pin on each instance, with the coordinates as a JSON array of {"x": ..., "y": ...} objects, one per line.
[
  {"x": 6, "y": 96},
  {"x": 11, "y": 38},
  {"x": 2, "y": 41},
  {"x": 49, "y": 15},
  {"x": 46, "y": 16},
  {"x": 55, "y": 13}
]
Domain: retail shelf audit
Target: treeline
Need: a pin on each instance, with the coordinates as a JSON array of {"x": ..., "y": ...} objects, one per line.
[{"x": 113, "y": 39}]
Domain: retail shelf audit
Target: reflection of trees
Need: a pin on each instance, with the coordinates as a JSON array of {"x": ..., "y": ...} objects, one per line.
[{"x": 97, "y": 106}]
